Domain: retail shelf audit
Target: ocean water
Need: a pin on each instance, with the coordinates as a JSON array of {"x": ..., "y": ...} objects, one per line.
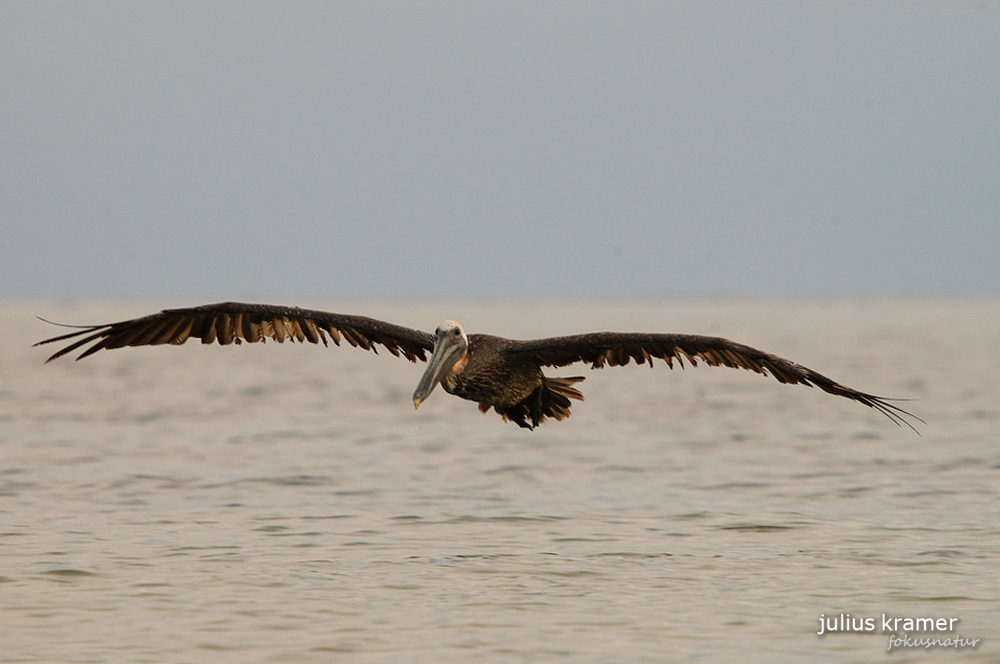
[{"x": 285, "y": 503}]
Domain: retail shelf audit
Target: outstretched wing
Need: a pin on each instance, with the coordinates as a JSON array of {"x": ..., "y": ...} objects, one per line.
[
  {"x": 619, "y": 348},
  {"x": 235, "y": 322}
]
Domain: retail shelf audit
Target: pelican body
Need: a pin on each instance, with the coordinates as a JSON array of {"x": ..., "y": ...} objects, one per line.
[
  {"x": 488, "y": 370},
  {"x": 502, "y": 374}
]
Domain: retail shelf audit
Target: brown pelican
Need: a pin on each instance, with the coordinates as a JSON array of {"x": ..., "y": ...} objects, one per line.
[{"x": 498, "y": 373}]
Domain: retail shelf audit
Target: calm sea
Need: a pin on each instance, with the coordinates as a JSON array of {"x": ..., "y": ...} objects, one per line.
[{"x": 286, "y": 503}]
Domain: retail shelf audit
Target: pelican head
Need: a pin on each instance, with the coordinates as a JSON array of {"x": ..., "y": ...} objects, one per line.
[{"x": 450, "y": 347}]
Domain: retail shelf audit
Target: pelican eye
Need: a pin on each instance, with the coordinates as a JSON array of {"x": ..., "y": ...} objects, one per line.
[{"x": 457, "y": 332}]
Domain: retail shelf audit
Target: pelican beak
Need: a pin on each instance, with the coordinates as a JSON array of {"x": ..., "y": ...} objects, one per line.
[{"x": 449, "y": 347}]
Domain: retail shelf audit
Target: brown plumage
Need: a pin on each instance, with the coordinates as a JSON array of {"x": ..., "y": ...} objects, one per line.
[
  {"x": 235, "y": 322},
  {"x": 498, "y": 373}
]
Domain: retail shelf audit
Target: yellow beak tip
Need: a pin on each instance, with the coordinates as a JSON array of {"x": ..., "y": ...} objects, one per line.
[{"x": 416, "y": 404}]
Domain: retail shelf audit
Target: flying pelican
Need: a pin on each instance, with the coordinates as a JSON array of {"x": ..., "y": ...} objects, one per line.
[{"x": 498, "y": 373}]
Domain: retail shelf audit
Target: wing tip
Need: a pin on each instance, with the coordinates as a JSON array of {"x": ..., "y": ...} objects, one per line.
[{"x": 895, "y": 413}]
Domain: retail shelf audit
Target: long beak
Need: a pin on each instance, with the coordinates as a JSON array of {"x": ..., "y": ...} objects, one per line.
[{"x": 446, "y": 353}]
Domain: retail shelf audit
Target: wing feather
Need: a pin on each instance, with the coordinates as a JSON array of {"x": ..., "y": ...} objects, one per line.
[
  {"x": 234, "y": 322},
  {"x": 613, "y": 349},
  {"x": 251, "y": 332}
]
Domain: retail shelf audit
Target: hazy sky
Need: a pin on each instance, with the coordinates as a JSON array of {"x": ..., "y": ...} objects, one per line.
[{"x": 210, "y": 150}]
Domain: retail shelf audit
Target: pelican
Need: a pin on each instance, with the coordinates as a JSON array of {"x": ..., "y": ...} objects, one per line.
[{"x": 498, "y": 373}]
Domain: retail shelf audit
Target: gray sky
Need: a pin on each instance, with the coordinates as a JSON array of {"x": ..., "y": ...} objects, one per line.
[{"x": 247, "y": 149}]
